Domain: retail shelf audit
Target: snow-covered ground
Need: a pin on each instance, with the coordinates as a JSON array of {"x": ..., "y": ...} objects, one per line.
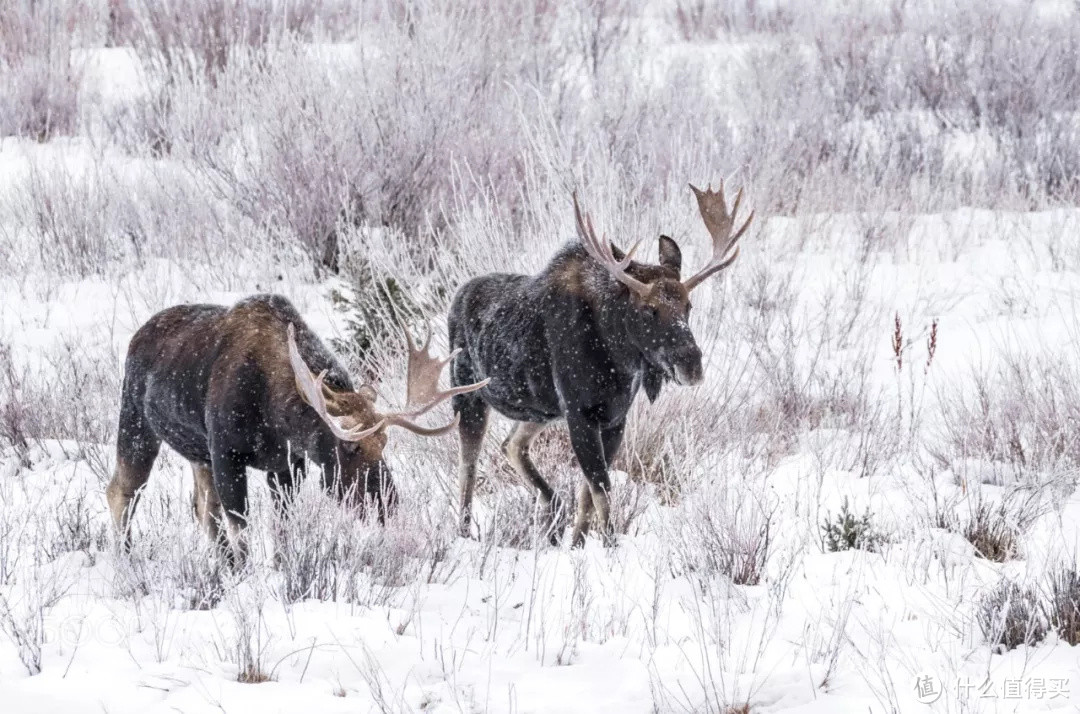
[{"x": 914, "y": 364}]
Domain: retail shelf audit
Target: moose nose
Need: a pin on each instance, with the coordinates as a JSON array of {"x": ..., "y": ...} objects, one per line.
[
  {"x": 381, "y": 487},
  {"x": 687, "y": 366},
  {"x": 689, "y": 377}
]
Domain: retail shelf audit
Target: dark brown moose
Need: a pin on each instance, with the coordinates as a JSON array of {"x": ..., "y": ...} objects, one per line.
[
  {"x": 576, "y": 342},
  {"x": 252, "y": 386}
]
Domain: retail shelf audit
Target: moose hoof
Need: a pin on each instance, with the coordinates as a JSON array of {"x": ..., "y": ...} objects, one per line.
[
  {"x": 554, "y": 535},
  {"x": 555, "y": 513},
  {"x": 465, "y": 530}
]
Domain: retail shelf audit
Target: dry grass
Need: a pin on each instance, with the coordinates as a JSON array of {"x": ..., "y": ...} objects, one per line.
[
  {"x": 1010, "y": 616},
  {"x": 993, "y": 536},
  {"x": 1062, "y": 604}
]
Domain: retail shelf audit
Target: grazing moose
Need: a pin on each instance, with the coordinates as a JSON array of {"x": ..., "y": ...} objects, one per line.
[
  {"x": 576, "y": 342},
  {"x": 230, "y": 388}
]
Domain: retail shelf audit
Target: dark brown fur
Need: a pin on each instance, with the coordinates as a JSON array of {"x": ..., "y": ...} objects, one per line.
[
  {"x": 568, "y": 343},
  {"x": 216, "y": 385}
]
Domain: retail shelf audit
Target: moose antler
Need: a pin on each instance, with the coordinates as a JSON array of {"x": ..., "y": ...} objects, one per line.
[
  {"x": 600, "y": 251},
  {"x": 313, "y": 390},
  {"x": 422, "y": 387},
  {"x": 720, "y": 224},
  {"x": 423, "y": 393}
]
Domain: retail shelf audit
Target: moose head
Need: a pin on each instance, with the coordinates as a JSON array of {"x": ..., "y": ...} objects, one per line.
[
  {"x": 359, "y": 429},
  {"x": 657, "y": 322}
]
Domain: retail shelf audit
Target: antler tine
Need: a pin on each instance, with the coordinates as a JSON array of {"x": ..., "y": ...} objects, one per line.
[
  {"x": 422, "y": 387},
  {"x": 600, "y": 251},
  {"x": 312, "y": 389},
  {"x": 720, "y": 224}
]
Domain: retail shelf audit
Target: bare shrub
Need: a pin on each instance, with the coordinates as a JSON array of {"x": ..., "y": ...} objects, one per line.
[
  {"x": 321, "y": 548},
  {"x": 14, "y": 530},
  {"x": 39, "y": 80},
  {"x": 664, "y": 441},
  {"x": 72, "y": 216},
  {"x": 727, "y": 529},
  {"x": 23, "y": 608},
  {"x": 64, "y": 398},
  {"x": 26, "y": 628},
  {"x": 516, "y": 520},
  {"x": 201, "y": 37},
  {"x": 994, "y": 528},
  {"x": 329, "y": 151},
  {"x": 803, "y": 386},
  {"x": 61, "y": 400},
  {"x": 628, "y": 501},
  {"x": 706, "y": 19},
  {"x": 74, "y": 526},
  {"x": 603, "y": 27},
  {"x": 15, "y": 417},
  {"x": 198, "y": 578},
  {"x": 1016, "y": 422},
  {"x": 245, "y": 602}
]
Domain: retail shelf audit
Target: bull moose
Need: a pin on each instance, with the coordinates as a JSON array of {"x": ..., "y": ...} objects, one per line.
[
  {"x": 232, "y": 388},
  {"x": 577, "y": 342}
]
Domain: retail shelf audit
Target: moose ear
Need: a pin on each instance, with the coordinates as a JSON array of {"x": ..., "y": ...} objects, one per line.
[
  {"x": 670, "y": 254},
  {"x": 329, "y": 395},
  {"x": 368, "y": 392},
  {"x": 652, "y": 381}
]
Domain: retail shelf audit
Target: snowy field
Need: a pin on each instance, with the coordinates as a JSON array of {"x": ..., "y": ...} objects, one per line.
[{"x": 870, "y": 505}]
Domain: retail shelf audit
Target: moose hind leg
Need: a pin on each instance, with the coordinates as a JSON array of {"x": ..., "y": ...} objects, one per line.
[
  {"x": 122, "y": 493},
  {"x": 516, "y": 448},
  {"x": 136, "y": 449},
  {"x": 471, "y": 430}
]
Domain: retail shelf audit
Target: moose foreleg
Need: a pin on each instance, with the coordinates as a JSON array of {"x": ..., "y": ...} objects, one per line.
[
  {"x": 207, "y": 506},
  {"x": 230, "y": 482},
  {"x": 585, "y": 437}
]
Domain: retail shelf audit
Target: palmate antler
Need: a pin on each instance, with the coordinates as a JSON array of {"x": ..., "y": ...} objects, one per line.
[
  {"x": 720, "y": 224},
  {"x": 315, "y": 393},
  {"x": 422, "y": 392}
]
